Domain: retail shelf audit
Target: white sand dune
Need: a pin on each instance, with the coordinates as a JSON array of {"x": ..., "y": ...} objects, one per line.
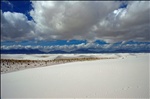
[
  {"x": 52, "y": 56},
  {"x": 11, "y": 64},
  {"x": 126, "y": 77}
]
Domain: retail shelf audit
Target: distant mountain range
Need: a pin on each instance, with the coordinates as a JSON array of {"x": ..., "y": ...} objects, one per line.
[{"x": 36, "y": 51}]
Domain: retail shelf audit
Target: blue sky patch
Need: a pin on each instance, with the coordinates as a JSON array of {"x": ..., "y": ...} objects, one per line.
[{"x": 23, "y": 6}]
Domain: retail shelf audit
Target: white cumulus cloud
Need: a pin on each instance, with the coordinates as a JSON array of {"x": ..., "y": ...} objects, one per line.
[
  {"x": 69, "y": 19},
  {"x": 15, "y": 26},
  {"x": 88, "y": 47},
  {"x": 82, "y": 20},
  {"x": 131, "y": 23}
]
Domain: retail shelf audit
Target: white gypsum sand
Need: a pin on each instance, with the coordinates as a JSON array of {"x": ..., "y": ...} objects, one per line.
[
  {"x": 16, "y": 62},
  {"x": 53, "y": 56},
  {"x": 126, "y": 77}
]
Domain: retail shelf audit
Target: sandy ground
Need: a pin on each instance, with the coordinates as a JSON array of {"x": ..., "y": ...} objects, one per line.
[
  {"x": 125, "y": 77},
  {"x": 16, "y": 62},
  {"x": 54, "y": 56}
]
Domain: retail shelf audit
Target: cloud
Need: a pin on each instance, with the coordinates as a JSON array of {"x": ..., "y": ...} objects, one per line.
[
  {"x": 69, "y": 19},
  {"x": 131, "y": 23},
  {"x": 87, "y": 47},
  {"x": 92, "y": 20},
  {"x": 16, "y": 26},
  {"x": 82, "y": 20}
]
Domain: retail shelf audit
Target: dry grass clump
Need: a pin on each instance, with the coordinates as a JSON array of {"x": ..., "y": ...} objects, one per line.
[{"x": 9, "y": 65}]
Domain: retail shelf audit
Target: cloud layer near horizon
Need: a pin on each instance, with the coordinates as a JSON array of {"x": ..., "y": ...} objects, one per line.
[
  {"x": 86, "y": 20},
  {"x": 88, "y": 47}
]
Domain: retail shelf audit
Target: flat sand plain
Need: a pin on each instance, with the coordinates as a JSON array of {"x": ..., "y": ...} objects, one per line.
[{"x": 123, "y": 76}]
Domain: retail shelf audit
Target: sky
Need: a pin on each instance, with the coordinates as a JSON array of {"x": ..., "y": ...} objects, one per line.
[{"x": 75, "y": 24}]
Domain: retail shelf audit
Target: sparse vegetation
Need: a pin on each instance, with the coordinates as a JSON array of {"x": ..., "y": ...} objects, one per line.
[{"x": 14, "y": 65}]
